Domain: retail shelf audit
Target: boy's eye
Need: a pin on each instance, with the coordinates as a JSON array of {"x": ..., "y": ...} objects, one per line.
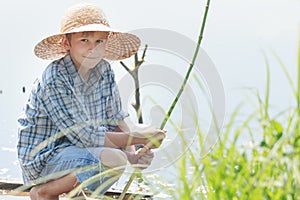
[
  {"x": 84, "y": 40},
  {"x": 100, "y": 41}
]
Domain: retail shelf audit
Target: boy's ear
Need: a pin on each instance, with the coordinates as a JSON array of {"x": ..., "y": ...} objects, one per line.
[{"x": 65, "y": 42}]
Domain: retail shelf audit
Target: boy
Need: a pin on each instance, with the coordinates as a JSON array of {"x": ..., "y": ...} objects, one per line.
[{"x": 72, "y": 127}]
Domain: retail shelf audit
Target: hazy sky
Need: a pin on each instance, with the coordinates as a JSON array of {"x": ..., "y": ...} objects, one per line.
[{"x": 237, "y": 33}]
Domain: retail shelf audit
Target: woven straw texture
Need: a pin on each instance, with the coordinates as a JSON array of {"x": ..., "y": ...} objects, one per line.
[{"x": 88, "y": 17}]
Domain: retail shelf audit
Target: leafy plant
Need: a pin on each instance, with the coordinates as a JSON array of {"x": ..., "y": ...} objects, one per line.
[{"x": 266, "y": 169}]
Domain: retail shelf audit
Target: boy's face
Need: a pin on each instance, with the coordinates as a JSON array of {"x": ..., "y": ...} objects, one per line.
[{"x": 86, "y": 48}]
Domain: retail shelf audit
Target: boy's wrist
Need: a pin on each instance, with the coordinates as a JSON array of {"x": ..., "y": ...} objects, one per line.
[{"x": 137, "y": 138}]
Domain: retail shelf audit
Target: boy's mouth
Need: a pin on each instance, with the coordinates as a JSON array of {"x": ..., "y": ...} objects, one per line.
[{"x": 91, "y": 57}]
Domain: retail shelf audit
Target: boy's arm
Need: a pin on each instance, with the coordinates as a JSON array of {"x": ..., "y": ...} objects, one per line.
[
  {"x": 122, "y": 139},
  {"x": 143, "y": 159},
  {"x": 123, "y": 127}
]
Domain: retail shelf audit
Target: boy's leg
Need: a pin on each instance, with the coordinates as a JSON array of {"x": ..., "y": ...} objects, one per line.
[
  {"x": 109, "y": 157},
  {"x": 52, "y": 189},
  {"x": 113, "y": 158}
]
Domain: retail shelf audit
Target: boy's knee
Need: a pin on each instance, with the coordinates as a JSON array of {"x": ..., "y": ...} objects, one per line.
[{"x": 113, "y": 158}]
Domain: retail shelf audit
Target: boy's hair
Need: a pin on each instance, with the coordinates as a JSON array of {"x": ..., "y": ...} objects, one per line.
[
  {"x": 68, "y": 36},
  {"x": 85, "y": 33}
]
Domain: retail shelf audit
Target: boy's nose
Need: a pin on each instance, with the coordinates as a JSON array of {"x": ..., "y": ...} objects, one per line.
[{"x": 93, "y": 45}]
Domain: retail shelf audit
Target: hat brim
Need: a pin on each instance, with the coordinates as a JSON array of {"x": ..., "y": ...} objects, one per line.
[{"x": 119, "y": 45}]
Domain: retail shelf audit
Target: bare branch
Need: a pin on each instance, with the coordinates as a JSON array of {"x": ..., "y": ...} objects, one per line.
[
  {"x": 127, "y": 69},
  {"x": 144, "y": 52},
  {"x": 136, "y": 60}
]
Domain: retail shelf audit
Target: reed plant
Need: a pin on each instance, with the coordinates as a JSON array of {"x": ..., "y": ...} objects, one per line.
[{"x": 264, "y": 168}]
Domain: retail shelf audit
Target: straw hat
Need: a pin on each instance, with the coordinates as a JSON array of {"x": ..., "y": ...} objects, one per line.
[{"x": 88, "y": 17}]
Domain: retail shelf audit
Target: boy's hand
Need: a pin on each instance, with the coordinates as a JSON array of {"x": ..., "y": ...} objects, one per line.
[
  {"x": 145, "y": 158},
  {"x": 151, "y": 138},
  {"x": 142, "y": 159}
]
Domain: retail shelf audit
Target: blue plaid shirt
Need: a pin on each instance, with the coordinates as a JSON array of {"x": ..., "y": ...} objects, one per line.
[{"x": 63, "y": 110}]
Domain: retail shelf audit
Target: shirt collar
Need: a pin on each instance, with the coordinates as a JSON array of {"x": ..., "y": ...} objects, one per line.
[{"x": 95, "y": 76}]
